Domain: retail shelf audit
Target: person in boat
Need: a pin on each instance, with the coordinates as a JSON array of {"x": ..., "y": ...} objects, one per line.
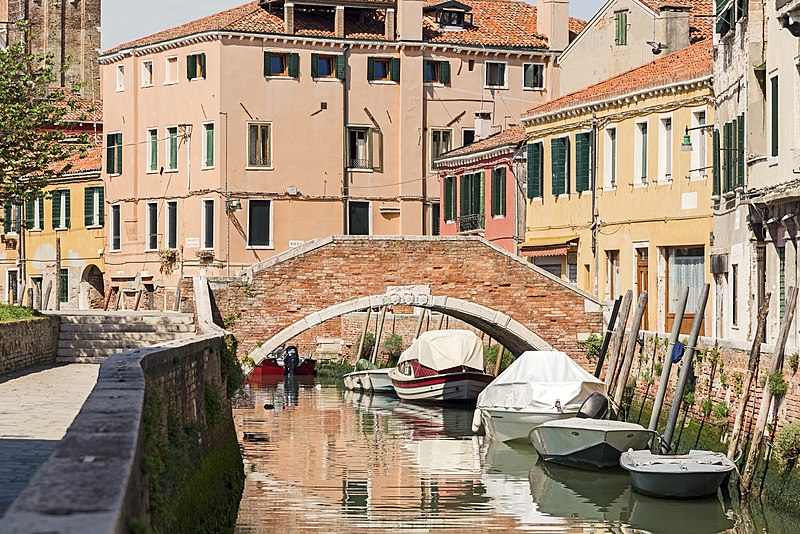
[{"x": 291, "y": 359}]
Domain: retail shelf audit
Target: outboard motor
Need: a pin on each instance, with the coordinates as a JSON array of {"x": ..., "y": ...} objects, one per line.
[
  {"x": 594, "y": 407},
  {"x": 291, "y": 359}
]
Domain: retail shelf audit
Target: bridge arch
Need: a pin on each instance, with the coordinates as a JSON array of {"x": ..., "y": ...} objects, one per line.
[{"x": 513, "y": 335}]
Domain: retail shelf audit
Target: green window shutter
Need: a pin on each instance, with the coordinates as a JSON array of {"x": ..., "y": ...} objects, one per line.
[
  {"x": 173, "y": 150},
  {"x": 29, "y": 214},
  {"x": 582, "y": 162},
  {"x": 294, "y": 65},
  {"x": 567, "y": 170},
  {"x": 726, "y": 143},
  {"x": 119, "y": 153},
  {"x": 495, "y": 192},
  {"x": 56, "y": 208},
  {"x": 617, "y": 20},
  {"x": 267, "y": 64},
  {"x": 463, "y": 194},
  {"x": 444, "y": 72},
  {"x": 740, "y": 152},
  {"x": 88, "y": 206},
  {"x": 623, "y": 31},
  {"x": 774, "y": 95},
  {"x": 101, "y": 201},
  {"x": 734, "y": 153},
  {"x": 715, "y": 162},
  {"x": 315, "y": 65},
  {"x": 395, "y": 69},
  {"x": 558, "y": 150},
  {"x": 527, "y": 76},
  {"x": 202, "y": 58},
  {"x": 210, "y": 145},
  {"x": 40, "y": 200},
  {"x": 448, "y": 199},
  {"x": 6, "y": 217},
  {"x": 154, "y": 150},
  {"x": 480, "y": 208},
  {"x": 370, "y": 68},
  {"x": 111, "y": 140},
  {"x": 531, "y": 170},
  {"x": 191, "y": 67},
  {"x": 340, "y": 67},
  {"x": 67, "y": 210},
  {"x": 63, "y": 286},
  {"x": 499, "y": 191}
]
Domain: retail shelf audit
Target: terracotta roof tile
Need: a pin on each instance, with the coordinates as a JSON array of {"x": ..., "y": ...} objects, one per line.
[
  {"x": 80, "y": 163},
  {"x": 509, "y": 136},
  {"x": 85, "y": 111},
  {"x": 496, "y": 23},
  {"x": 691, "y": 63}
]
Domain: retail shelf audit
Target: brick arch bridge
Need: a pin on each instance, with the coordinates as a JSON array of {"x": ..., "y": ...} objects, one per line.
[{"x": 521, "y": 306}]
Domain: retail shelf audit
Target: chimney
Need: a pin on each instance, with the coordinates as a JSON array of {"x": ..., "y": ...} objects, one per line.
[
  {"x": 389, "y": 25},
  {"x": 483, "y": 124},
  {"x": 288, "y": 18},
  {"x": 409, "y": 20},
  {"x": 673, "y": 26},
  {"x": 338, "y": 22},
  {"x": 552, "y": 21}
]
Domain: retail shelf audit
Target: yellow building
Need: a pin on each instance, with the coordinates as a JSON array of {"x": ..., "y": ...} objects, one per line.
[
  {"x": 72, "y": 212},
  {"x": 617, "y": 200}
]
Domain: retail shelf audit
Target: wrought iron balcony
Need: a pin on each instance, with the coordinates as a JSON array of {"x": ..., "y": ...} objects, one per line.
[
  {"x": 471, "y": 223},
  {"x": 358, "y": 164}
]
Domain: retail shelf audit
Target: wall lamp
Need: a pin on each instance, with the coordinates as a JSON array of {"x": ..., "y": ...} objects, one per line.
[
  {"x": 686, "y": 145},
  {"x": 233, "y": 204}
]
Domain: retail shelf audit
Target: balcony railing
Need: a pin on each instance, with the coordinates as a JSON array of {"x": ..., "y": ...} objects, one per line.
[
  {"x": 471, "y": 223},
  {"x": 358, "y": 164}
]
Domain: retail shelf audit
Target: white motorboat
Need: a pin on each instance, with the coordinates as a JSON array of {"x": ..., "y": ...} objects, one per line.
[
  {"x": 588, "y": 443},
  {"x": 683, "y": 476},
  {"x": 376, "y": 380},
  {"x": 441, "y": 366},
  {"x": 536, "y": 388}
]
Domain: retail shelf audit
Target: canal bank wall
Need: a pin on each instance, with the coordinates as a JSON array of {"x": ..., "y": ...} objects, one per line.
[
  {"x": 27, "y": 343},
  {"x": 153, "y": 449}
]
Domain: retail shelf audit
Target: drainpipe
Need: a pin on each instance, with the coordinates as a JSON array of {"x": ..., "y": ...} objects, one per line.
[
  {"x": 595, "y": 213},
  {"x": 345, "y": 112}
]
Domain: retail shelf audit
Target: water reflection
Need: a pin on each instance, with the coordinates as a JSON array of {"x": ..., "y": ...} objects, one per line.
[{"x": 326, "y": 461}]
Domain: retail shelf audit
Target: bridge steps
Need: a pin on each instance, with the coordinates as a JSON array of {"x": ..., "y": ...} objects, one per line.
[{"x": 93, "y": 337}]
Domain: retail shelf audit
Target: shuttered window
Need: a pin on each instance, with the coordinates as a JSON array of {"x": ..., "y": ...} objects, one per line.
[
  {"x": 152, "y": 226},
  {"x": 259, "y": 145},
  {"x": 535, "y": 169},
  {"x": 208, "y": 145},
  {"x": 171, "y": 229},
  {"x": 116, "y": 228},
  {"x": 728, "y": 157},
  {"x": 196, "y": 66},
  {"x": 583, "y": 146},
  {"x": 172, "y": 148},
  {"x": 740, "y": 153},
  {"x": 93, "y": 206},
  {"x": 533, "y": 76},
  {"x": 621, "y": 33},
  {"x": 208, "y": 223},
  {"x": 114, "y": 153},
  {"x": 34, "y": 214},
  {"x": 152, "y": 150},
  {"x": 450, "y": 199},
  {"x": 774, "y": 117},
  {"x": 259, "y": 221},
  {"x": 383, "y": 69},
  {"x": 560, "y": 165},
  {"x": 281, "y": 64},
  {"x": 61, "y": 209},
  {"x": 716, "y": 162},
  {"x": 471, "y": 194},
  {"x": 7, "y": 216},
  {"x": 499, "y": 192},
  {"x": 327, "y": 66},
  {"x": 63, "y": 285}
]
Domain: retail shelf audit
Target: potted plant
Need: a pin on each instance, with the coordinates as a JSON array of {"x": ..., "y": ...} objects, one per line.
[
  {"x": 205, "y": 255},
  {"x": 168, "y": 258}
]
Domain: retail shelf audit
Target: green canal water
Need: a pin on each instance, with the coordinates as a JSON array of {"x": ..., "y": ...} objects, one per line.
[{"x": 320, "y": 459}]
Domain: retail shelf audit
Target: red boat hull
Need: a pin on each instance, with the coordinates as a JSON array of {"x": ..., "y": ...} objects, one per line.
[{"x": 271, "y": 367}]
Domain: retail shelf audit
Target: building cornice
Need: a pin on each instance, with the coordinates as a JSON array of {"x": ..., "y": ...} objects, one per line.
[{"x": 474, "y": 157}]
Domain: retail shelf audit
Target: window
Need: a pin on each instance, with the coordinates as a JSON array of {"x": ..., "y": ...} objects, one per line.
[
  {"x": 437, "y": 72},
  {"x": 34, "y": 214},
  {"x": 364, "y": 148},
  {"x": 172, "y": 148},
  {"x": 699, "y": 140},
  {"x": 496, "y": 75},
  {"x": 61, "y": 209},
  {"x": 383, "y": 69},
  {"x": 9, "y": 218},
  {"x": 172, "y": 71},
  {"x": 359, "y": 222},
  {"x": 453, "y": 18},
  {"x": 612, "y": 273},
  {"x": 147, "y": 73},
  {"x": 63, "y": 285},
  {"x": 640, "y": 148},
  {"x": 533, "y": 76},
  {"x": 499, "y": 192},
  {"x": 665, "y": 150},
  {"x": 572, "y": 268},
  {"x": 621, "y": 33},
  {"x": 259, "y": 143},
  {"x": 583, "y": 149},
  {"x": 120, "y": 78},
  {"x": 553, "y": 264},
  {"x": 208, "y": 223},
  {"x": 560, "y": 165},
  {"x": 441, "y": 142},
  {"x": 93, "y": 206},
  {"x": 196, "y": 66},
  {"x": 686, "y": 268},
  {"x": 735, "y": 294},
  {"x": 535, "y": 169},
  {"x": 281, "y": 64},
  {"x": 152, "y": 226},
  {"x": 327, "y": 66},
  {"x": 116, "y": 226},
  {"x": 449, "y": 199},
  {"x": 259, "y": 223},
  {"x": 467, "y": 136},
  {"x": 114, "y": 153},
  {"x": 208, "y": 145},
  {"x": 774, "y": 137},
  {"x": 152, "y": 150},
  {"x": 610, "y": 173},
  {"x": 471, "y": 215},
  {"x": 171, "y": 228},
  {"x": 435, "y": 214}
]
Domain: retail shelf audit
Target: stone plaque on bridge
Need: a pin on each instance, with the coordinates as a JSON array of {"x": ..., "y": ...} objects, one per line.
[{"x": 408, "y": 295}]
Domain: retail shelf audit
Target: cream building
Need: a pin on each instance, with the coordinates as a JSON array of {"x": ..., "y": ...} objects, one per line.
[
  {"x": 614, "y": 203},
  {"x": 237, "y": 136}
]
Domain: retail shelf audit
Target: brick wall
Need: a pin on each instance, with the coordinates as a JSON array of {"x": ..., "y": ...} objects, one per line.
[
  {"x": 294, "y": 285},
  {"x": 27, "y": 343}
]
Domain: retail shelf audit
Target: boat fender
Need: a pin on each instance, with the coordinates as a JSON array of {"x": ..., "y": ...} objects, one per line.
[
  {"x": 677, "y": 351},
  {"x": 476, "y": 421}
]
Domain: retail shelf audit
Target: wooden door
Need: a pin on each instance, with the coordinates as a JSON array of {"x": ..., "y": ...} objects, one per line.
[{"x": 642, "y": 279}]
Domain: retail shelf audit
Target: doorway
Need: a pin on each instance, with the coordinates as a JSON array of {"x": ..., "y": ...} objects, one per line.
[
  {"x": 12, "y": 286},
  {"x": 642, "y": 282}
]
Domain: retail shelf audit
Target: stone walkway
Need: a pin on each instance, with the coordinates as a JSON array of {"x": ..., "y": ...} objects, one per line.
[{"x": 36, "y": 408}]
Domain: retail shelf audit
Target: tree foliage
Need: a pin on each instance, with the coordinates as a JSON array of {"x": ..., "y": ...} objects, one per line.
[{"x": 33, "y": 141}]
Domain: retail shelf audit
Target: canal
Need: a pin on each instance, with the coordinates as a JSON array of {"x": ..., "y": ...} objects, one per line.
[{"x": 320, "y": 459}]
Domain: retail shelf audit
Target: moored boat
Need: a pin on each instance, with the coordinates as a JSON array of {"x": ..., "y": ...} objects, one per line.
[
  {"x": 376, "y": 380},
  {"x": 284, "y": 362},
  {"x": 683, "y": 476},
  {"x": 537, "y": 387},
  {"x": 441, "y": 366},
  {"x": 587, "y": 443}
]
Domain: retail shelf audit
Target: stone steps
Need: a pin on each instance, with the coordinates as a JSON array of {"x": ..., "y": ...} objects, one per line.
[{"x": 93, "y": 337}]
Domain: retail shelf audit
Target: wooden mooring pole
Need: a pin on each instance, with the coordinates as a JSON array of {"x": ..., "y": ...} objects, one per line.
[
  {"x": 419, "y": 322},
  {"x": 499, "y": 361},
  {"x": 630, "y": 350},
  {"x": 377, "y": 346},
  {"x": 757, "y": 442},
  {"x": 619, "y": 335},
  {"x": 363, "y": 335},
  {"x": 607, "y": 337}
]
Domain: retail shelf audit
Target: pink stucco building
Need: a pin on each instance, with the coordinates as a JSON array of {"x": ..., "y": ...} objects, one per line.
[{"x": 242, "y": 134}]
